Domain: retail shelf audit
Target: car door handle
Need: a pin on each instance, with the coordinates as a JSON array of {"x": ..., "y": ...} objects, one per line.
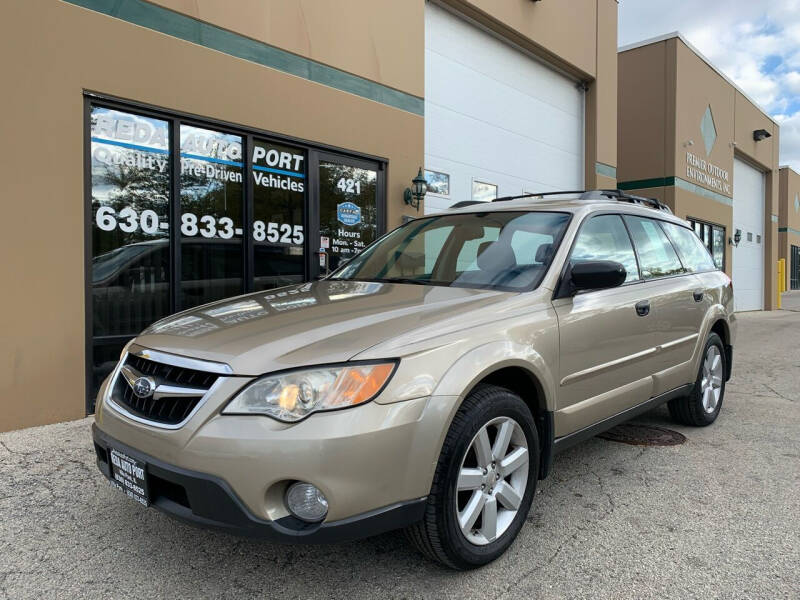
[
  {"x": 643, "y": 308},
  {"x": 698, "y": 295}
]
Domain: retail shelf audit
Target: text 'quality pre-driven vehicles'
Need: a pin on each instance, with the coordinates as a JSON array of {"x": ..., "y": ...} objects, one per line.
[{"x": 428, "y": 382}]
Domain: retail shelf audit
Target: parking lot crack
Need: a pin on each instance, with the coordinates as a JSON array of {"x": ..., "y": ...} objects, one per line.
[{"x": 777, "y": 393}]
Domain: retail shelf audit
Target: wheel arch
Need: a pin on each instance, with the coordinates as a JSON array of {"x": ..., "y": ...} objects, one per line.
[
  {"x": 527, "y": 377},
  {"x": 716, "y": 321}
]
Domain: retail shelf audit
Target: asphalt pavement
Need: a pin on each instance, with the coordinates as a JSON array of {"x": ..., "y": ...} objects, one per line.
[{"x": 715, "y": 517}]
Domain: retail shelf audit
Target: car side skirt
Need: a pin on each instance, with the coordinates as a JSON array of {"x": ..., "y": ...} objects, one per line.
[{"x": 567, "y": 441}]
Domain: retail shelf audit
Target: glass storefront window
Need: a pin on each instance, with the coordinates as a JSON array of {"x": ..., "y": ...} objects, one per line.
[
  {"x": 212, "y": 215},
  {"x": 130, "y": 188},
  {"x": 279, "y": 193},
  {"x": 348, "y": 210},
  {"x": 233, "y": 212}
]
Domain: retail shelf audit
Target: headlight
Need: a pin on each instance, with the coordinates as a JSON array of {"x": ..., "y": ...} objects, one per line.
[{"x": 294, "y": 395}]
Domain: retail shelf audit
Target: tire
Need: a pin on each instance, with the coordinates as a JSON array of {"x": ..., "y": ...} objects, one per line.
[
  {"x": 698, "y": 408},
  {"x": 439, "y": 535}
]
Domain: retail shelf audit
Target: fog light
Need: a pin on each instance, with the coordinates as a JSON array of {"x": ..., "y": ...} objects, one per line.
[{"x": 306, "y": 502}]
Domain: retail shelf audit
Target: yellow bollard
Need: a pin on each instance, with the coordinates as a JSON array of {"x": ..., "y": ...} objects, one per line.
[{"x": 782, "y": 262}]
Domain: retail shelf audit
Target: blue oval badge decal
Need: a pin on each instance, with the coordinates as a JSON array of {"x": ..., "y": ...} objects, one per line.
[{"x": 348, "y": 213}]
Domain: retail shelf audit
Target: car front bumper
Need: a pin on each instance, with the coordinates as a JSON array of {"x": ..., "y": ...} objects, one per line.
[
  {"x": 374, "y": 463},
  {"x": 208, "y": 501}
]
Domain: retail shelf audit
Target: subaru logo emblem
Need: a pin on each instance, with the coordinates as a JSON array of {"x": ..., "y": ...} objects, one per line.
[{"x": 144, "y": 387}]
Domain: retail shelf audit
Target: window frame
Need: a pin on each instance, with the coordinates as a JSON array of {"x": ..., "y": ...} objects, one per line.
[{"x": 314, "y": 152}]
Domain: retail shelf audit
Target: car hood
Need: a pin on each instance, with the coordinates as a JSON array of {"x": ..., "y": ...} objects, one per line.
[{"x": 311, "y": 323}]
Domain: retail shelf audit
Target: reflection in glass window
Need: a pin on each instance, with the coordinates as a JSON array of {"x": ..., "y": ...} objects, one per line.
[
  {"x": 279, "y": 192},
  {"x": 713, "y": 238},
  {"x": 484, "y": 192},
  {"x": 438, "y": 183},
  {"x": 605, "y": 238},
  {"x": 211, "y": 215},
  {"x": 694, "y": 255},
  {"x": 348, "y": 205},
  {"x": 718, "y": 246},
  {"x": 657, "y": 257},
  {"x": 130, "y": 187}
]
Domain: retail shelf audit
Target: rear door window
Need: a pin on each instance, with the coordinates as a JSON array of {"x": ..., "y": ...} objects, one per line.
[
  {"x": 694, "y": 255},
  {"x": 657, "y": 257}
]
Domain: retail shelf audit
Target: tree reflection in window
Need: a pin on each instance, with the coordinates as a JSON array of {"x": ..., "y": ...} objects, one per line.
[
  {"x": 657, "y": 257},
  {"x": 605, "y": 238}
]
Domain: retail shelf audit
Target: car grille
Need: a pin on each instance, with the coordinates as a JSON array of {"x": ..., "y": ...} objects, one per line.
[{"x": 169, "y": 410}]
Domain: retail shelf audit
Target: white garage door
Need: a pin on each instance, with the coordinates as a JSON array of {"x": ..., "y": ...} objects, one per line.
[
  {"x": 748, "y": 256},
  {"x": 495, "y": 116}
]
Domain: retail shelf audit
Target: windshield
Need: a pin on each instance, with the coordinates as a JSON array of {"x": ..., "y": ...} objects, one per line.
[{"x": 497, "y": 250}]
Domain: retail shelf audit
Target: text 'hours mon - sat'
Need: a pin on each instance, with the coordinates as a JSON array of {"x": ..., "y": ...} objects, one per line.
[{"x": 207, "y": 226}]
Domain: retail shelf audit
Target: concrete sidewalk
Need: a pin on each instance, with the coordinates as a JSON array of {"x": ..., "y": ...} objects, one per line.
[
  {"x": 791, "y": 300},
  {"x": 715, "y": 517}
]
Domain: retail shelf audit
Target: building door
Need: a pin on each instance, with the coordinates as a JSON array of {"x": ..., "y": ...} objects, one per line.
[
  {"x": 349, "y": 207},
  {"x": 497, "y": 121},
  {"x": 794, "y": 269},
  {"x": 748, "y": 256}
]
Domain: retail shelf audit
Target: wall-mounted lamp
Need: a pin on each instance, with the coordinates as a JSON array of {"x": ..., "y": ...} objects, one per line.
[
  {"x": 761, "y": 134},
  {"x": 737, "y": 237},
  {"x": 414, "y": 195}
]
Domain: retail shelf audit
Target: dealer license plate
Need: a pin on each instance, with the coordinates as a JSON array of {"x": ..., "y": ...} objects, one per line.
[{"x": 129, "y": 476}]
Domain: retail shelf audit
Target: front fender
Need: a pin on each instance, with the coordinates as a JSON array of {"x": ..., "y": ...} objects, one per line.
[{"x": 478, "y": 363}]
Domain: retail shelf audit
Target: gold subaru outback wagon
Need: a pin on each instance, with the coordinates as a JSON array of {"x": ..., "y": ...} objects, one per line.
[{"x": 428, "y": 382}]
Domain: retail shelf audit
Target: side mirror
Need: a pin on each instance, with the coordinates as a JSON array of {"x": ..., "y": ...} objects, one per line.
[{"x": 597, "y": 274}]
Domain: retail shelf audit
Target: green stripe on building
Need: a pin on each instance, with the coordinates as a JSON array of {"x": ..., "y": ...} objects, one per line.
[
  {"x": 606, "y": 170},
  {"x": 640, "y": 184},
  {"x": 788, "y": 230},
  {"x": 183, "y": 27}
]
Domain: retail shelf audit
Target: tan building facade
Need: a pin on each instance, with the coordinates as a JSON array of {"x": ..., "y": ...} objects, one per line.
[
  {"x": 688, "y": 136},
  {"x": 172, "y": 152},
  {"x": 789, "y": 224}
]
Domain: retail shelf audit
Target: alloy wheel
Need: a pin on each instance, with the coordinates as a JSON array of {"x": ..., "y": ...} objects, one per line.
[
  {"x": 711, "y": 380},
  {"x": 492, "y": 480}
]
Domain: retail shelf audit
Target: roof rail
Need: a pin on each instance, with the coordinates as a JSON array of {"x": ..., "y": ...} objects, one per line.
[
  {"x": 623, "y": 197},
  {"x": 595, "y": 195},
  {"x": 537, "y": 195},
  {"x": 464, "y": 203}
]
